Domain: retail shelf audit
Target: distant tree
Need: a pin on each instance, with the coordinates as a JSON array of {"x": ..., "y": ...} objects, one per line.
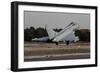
[
  {"x": 27, "y": 35},
  {"x": 30, "y": 33},
  {"x": 40, "y": 32},
  {"x": 83, "y": 34}
]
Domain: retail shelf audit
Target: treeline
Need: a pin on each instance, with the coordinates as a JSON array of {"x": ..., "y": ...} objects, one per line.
[
  {"x": 83, "y": 34},
  {"x": 31, "y": 33}
]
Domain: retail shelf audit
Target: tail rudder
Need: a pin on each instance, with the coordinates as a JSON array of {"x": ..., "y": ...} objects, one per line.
[{"x": 50, "y": 32}]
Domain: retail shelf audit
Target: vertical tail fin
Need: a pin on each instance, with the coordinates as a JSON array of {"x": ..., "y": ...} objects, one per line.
[{"x": 50, "y": 32}]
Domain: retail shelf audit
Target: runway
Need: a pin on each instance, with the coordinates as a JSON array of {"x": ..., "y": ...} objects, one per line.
[
  {"x": 50, "y": 51},
  {"x": 58, "y": 57}
]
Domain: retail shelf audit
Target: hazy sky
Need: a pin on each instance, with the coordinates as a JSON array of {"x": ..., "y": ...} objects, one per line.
[{"x": 55, "y": 19}]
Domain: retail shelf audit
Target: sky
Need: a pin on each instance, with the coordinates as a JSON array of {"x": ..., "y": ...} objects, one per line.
[{"x": 55, "y": 19}]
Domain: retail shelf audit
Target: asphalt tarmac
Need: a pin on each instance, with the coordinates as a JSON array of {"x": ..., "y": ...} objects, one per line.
[
  {"x": 58, "y": 57},
  {"x": 50, "y": 51}
]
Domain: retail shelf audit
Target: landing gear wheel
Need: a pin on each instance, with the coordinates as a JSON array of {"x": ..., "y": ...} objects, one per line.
[
  {"x": 67, "y": 42},
  {"x": 56, "y": 43}
]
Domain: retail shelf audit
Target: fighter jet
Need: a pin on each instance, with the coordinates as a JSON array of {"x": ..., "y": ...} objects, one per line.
[{"x": 67, "y": 34}]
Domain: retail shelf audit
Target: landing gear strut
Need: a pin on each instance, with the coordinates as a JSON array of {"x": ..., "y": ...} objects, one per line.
[
  {"x": 67, "y": 42},
  {"x": 56, "y": 43}
]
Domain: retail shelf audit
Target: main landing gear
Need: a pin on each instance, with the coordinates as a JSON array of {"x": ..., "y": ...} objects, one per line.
[
  {"x": 67, "y": 42},
  {"x": 56, "y": 43}
]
